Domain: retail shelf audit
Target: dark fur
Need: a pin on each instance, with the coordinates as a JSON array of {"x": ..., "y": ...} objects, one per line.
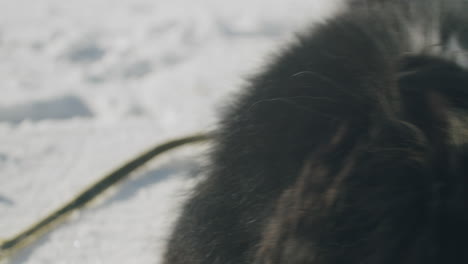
[{"x": 348, "y": 149}]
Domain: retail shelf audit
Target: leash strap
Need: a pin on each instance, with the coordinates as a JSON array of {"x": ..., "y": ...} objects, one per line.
[{"x": 10, "y": 246}]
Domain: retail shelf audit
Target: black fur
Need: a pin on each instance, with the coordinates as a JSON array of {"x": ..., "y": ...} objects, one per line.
[{"x": 352, "y": 147}]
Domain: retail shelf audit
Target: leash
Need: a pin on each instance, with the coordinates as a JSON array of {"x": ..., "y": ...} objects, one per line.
[{"x": 10, "y": 246}]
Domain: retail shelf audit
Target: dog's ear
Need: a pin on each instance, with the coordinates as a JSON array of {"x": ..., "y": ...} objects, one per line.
[{"x": 352, "y": 203}]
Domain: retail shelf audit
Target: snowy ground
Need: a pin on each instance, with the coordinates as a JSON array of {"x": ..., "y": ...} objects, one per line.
[{"x": 85, "y": 85}]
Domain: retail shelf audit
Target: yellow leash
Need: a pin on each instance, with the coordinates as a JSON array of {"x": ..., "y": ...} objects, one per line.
[{"x": 10, "y": 246}]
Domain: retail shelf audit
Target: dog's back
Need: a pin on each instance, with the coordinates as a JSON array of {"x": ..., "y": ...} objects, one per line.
[{"x": 351, "y": 147}]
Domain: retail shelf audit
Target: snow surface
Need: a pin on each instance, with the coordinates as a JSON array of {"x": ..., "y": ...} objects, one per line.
[{"x": 86, "y": 85}]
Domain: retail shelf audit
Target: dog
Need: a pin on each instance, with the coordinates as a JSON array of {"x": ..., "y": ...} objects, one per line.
[{"x": 350, "y": 147}]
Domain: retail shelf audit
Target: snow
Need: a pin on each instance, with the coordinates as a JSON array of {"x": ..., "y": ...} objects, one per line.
[{"x": 86, "y": 85}]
